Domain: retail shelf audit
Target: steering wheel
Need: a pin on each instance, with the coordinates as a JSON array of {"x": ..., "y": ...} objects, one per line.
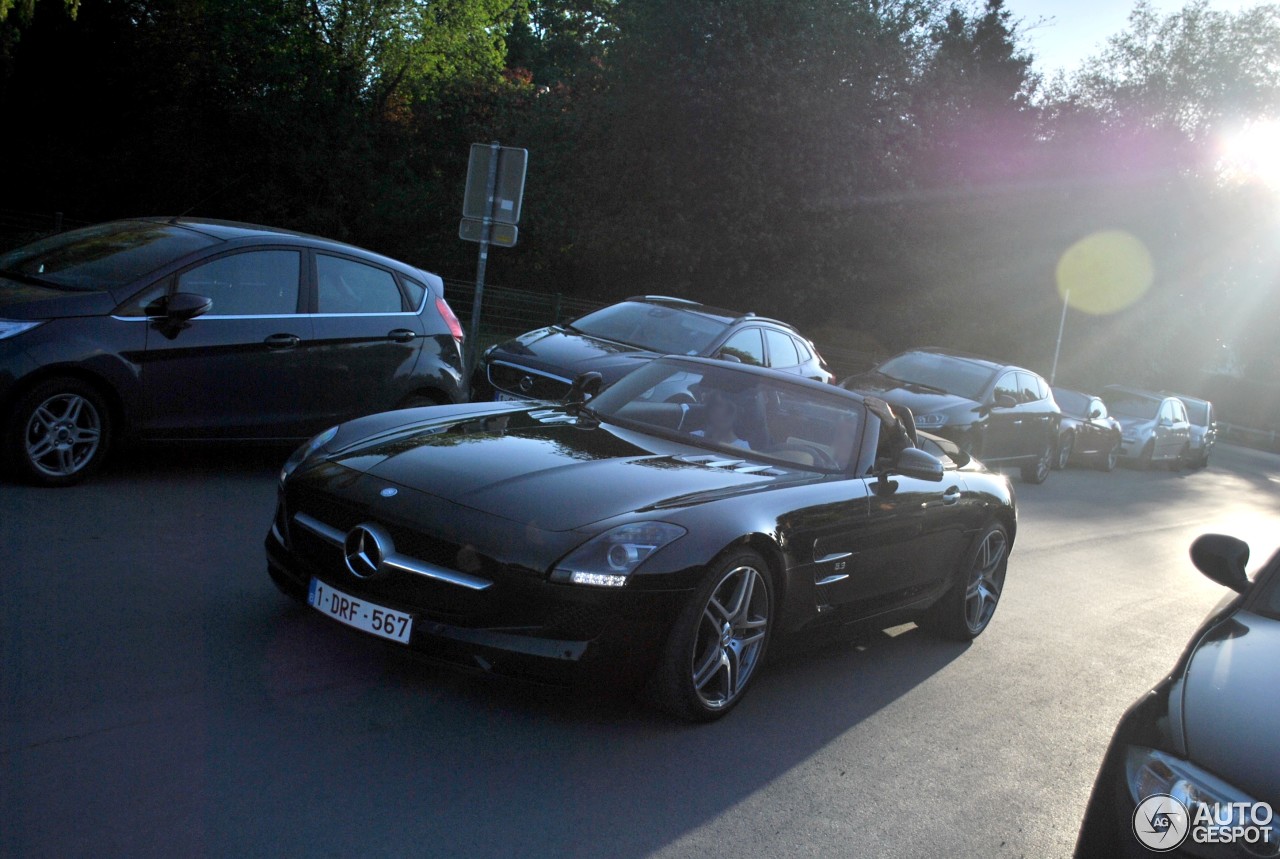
[{"x": 821, "y": 458}]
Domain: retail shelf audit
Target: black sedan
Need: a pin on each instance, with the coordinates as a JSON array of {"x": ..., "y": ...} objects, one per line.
[
  {"x": 185, "y": 329},
  {"x": 1002, "y": 414},
  {"x": 1087, "y": 433},
  {"x": 1194, "y": 766},
  {"x": 662, "y": 532}
]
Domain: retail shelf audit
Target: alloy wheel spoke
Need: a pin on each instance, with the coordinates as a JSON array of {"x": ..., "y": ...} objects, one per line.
[
  {"x": 41, "y": 448},
  {"x": 66, "y": 460},
  {"x": 46, "y": 418},
  {"x": 74, "y": 406}
]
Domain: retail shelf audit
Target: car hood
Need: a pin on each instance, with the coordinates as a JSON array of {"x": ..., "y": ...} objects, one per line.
[
  {"x": 920, "y": 402},
  {"x": 1230, "y": 717},
  {"x": 20, "y": 300},
  {"x": 541, "y": 468},
  {"x": 567, "y": 353}
]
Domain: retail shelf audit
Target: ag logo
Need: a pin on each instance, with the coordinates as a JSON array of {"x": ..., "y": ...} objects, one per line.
[{"x": 1161, "y": 822}]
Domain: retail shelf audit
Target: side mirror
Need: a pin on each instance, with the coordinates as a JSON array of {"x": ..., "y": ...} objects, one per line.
[
  {"x": 179, "y": 307},
  {"x": 914, "y": 462},
  {"x": 1095, "y": 413},
  {"x": 1222, "y": 559},
  {"x": 586, "y": 386},
  {"x": 1004, "y": 401}
]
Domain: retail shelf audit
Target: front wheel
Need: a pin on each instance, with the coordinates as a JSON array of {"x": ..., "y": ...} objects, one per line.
[
  {"x": 1065, "y": 444},
  {"x": 1108, "y": 460},
  {"x": 1038, "y": 471},
  {"x": 59, "y": 433},
  {"x": 966, "y": 610},
  {"x": 718, "y": 641}
]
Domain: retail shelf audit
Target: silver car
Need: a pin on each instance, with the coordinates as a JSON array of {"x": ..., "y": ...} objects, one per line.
[
  {"x": 1153, "y": 427},
  {"x": 1204, "y": 429}
]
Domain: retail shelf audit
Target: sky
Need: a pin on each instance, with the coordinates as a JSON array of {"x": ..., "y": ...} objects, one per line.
[{"x": 1062, "y": 33}]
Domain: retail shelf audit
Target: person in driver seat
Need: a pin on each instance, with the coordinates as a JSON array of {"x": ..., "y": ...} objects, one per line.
[{"x": 719, "y": 427}]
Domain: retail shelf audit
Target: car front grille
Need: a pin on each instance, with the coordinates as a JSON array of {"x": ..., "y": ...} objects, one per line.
[{"x": 523, "y": 382}]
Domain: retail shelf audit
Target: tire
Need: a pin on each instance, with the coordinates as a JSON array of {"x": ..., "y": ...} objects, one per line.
[
  {"x": 414, "y": 401},
  {"x": 59, "y": 433},
  {"x": 1108, "y": 460},
  {"x": 1039, "y": 470},
  {"x": 967, "y": 608},
  {"x": 1182, "y": 459},
  {"x": 1065, "y": 444},
  {"x": 718, "y": 640},
  {"x": 1144, "y": 459}
]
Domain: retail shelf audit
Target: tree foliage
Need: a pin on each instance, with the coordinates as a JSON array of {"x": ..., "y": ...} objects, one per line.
[{"x": 886, "y": 172}]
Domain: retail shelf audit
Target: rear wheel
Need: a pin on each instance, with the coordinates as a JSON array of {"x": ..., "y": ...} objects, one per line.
[
  {"x": 1183, "y": 458},
  {"x": 966, "y": 610},
  {"x": 59, "y": 433},
  {"x": 1039, "y": 470},
  {"x": 1065, "y": 445},
  {"x": 718, "y": 641}
]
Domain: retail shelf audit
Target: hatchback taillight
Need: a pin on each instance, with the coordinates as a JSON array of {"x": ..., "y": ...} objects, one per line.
[{"x": 446, "y": 313}]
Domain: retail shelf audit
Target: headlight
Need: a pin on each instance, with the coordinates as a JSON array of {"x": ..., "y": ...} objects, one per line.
[
  {"x": 931, "y": 421},
  {"x": 13, "y": 327},
  {"x": 1220, "y": 817},
  {"x": 607, "y": 559},
  {"x": 300, "y": 455}
]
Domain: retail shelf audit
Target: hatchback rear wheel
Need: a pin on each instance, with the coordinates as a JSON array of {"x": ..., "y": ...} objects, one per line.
[{"x": 1039, "y": 470}]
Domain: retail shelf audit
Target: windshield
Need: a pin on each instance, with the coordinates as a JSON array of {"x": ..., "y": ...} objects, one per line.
[
  {"x": 956, "y": 376},
  {"x": 738, "y": 412},
  {"x": 1072, "y": 402},
  {"x": 1131, "y": 405},
  {"x": 102, "y": 257},
  {"x": 665, "y": 330}
]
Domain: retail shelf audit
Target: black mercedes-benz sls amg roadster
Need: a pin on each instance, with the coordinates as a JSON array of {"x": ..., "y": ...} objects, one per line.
[{"x": 661, "y": 532}]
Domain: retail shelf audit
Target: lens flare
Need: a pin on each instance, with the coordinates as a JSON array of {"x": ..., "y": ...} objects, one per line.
[
  {"x": 1105, "y": 272},
  {"x": 1252, "y": 154}
]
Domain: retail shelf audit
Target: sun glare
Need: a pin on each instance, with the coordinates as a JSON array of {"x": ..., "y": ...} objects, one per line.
[{"x": 1252, "y": 154}]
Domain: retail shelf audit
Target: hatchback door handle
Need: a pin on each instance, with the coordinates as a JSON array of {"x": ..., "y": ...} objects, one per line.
[
  {"x": 401, "y": 335},
  {"x": 951, "y": 496},
  {"x": 282, "y": 341}
]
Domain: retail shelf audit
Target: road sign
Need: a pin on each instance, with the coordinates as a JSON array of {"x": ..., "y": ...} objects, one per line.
[
  {"x": 508, "y": 187},
  {"x": 502, "y": 235}
]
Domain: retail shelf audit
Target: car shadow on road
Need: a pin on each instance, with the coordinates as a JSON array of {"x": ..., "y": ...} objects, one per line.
[{"x": 486, "y": 766}]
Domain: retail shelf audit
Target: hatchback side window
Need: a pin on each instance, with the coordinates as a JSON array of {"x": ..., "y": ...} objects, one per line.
[
  {"x": 253, "y": 283},
  {"x": 1008, "y": 387},
  {"x": 347, "y": 286},
  {"x": 782, "y": 350},
  {"x": 746, "y": 346}
]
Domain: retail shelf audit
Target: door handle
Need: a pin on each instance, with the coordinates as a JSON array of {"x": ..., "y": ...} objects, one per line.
[
  {"x": 282, "y": 341},
  {"x": 401, "y": 335},
  {"x": 952, "y": 495}
]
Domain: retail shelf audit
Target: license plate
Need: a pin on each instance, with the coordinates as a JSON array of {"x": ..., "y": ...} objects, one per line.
[
  {"x": 361, "y": 614},
  {"x": 509, "y": 398}
]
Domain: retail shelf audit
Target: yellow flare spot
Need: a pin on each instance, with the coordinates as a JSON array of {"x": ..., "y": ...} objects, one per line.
[{"x": 1105, "y": 272}]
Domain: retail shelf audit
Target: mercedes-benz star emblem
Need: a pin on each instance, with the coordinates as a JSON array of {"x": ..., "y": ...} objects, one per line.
[
  {"x": 366, "y": 547},
  {"x": 526, "y": 384}
]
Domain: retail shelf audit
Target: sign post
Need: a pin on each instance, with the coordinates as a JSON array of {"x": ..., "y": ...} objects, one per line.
[{"x": 490, "y": 212}]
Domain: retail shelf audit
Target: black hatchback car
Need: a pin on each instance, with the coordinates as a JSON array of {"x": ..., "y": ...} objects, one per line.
[
  {"x": 616, "y": 339},
  {"x": 1001, "y": 414},
  {"x": 1193, "y": 768},
  {"x": 192, "y": 329}
]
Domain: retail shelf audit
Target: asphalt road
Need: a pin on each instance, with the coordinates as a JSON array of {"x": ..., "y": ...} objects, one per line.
[{"x": 158, "y": 696}]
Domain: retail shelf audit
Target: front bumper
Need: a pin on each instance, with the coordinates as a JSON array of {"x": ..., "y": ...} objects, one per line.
[{"x": 551, "y": 632}]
